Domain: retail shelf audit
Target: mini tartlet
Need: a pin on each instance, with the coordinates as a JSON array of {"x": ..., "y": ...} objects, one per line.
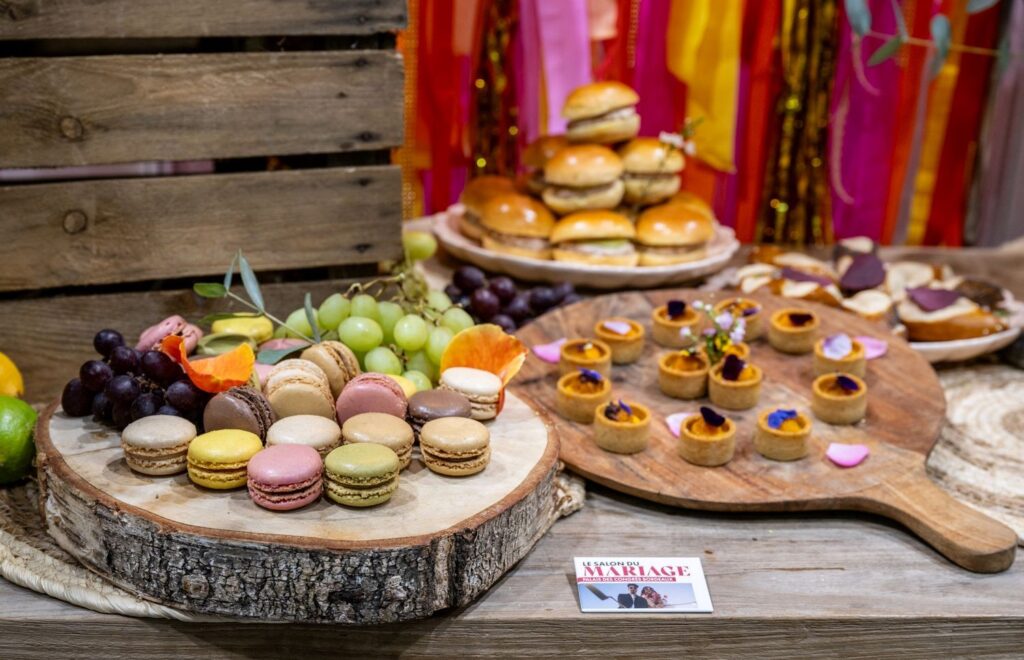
[
  {"x": 839, "y": 398},
  {"x": 793, "y": 330},
  {"x": 669, "y": 321},
  {"x": 622, "y": 427},
  {"x": 684, "y": 374},
  {"x": 624, "y": 336},
  {"x": 747, "y": 309},
  {"x": 580, "y": 393},
  {"x": 578, "y": 354},
  {"x": 707, "y": 439},
  {"x": 782, "y": 435},
  {"x": 734, "y": 384},
  {"x": 839, "y": 354}
]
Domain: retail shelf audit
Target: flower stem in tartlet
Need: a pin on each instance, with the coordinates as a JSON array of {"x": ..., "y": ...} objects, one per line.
[
  {"x": 735, "y": 392},
  {"x": 624, "y": 336},
  {"x": 580, "y": 393},
  {"x": 793, "y": 330},
  {"x": 585, "y": 353},
  {"x": 707, "y": 439},
  {"x": 782, "y": 435},
  {"x": 854, "y": 362},
  {"x": 622, "y": 427},
  {"x": 839, "y": 398},
  {"x": 683, "y": 374}
]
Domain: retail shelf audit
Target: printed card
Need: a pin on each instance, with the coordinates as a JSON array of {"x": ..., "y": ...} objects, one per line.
[{"x": 649, "y": 584}]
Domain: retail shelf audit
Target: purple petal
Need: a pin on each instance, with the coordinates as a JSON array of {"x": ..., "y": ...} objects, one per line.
[
  {"x": 866, "y": 271},
  {"x": 873, "y": 348},
  {"x": 625, "y": 407},
  {"x": 618, "y": 327},
  {"x": 733, "y": 367},
  {"x": 675, "y": 421},
  {"x": 711, "y": 418},
  {"x": 800, "y": 276},
  {"x": 847, "y": 455},
  {"x": 846, "y": 383},
  {"x": 800, "y": 318},
  {"x": 932, "y": 300},
  {"x": 552, "y": 352},
  {"x": 777, "y": 417},
  {"x": 590, "y": 376},
  {"x": 837, "y": 347},
  {"x": 676, "y": 308}
]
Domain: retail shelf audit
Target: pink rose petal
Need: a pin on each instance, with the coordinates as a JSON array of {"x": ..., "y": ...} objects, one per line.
[
  {"x": 847, "y": 455},
  {"x": 262, "y": 371},
  {"x": 550, "y": 352},
  {"x": 675, "y": 421},
  {"x": 618, "y": 327},
  {"x": 873, "y": 348}
]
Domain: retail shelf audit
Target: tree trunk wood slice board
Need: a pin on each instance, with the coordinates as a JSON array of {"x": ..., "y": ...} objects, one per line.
[
  {"x": 906, "y": 410},
  {"x": 439, "y": 543}
]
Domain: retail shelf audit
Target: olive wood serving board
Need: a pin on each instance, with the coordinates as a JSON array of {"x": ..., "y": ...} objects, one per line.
[
  {"x": 439, "y": 542},
  {"x": 906, "y": 409}
]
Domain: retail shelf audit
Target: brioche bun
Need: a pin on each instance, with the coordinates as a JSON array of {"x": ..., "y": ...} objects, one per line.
[
  {"x": 650, "y": 190},
  {"x": 578, "y": 239},
  {"x": 564, "y": 200},
  {"x": 543, "y": 149},
  {"x": 645, "y": 155},
  {"x": 474, "y": 196},
  {"x": 517, "y": 215},
  {"x": 583, "y": 165},
  {"x": 672, "y": 234},
  {"x": 608, "y": 130},
  {"x": 598, "y": 98},
  {"x": 689, "y": 199}
]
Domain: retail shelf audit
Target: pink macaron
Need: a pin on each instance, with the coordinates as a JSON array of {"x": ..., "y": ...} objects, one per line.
[
  {"x": 172, "y": 325},
  {"x": 371, "y": 393},
  {"x": 285, "y": 477}
]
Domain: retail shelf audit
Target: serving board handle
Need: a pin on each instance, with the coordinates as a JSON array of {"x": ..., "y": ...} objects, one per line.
[{"x": 964, "y": 535}]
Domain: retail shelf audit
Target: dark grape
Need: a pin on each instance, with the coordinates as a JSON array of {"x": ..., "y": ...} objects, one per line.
[
  {"x": 571, "y": 298},
  {"x": 469, "y": 278},
  {"x": 167, "y": 409},
  {"x": 184, "y": 396},
  {"x": 147, "y": 404},
  {"x": 123, "y": 389},
  {"x": 484, "y": 304},
  {"x": 462, "y": 301},
  {"x": 106, "y": 341},
  {"x": 542, "y": 298},
  {"x": 124, "y": 360},
  {"x": 563, "y": 290},
  {"x": 95, "y": 374},
  {"x": 503, "y": 287},
  {"x": 160, "y": 368},
  {"x": 122, "y": 415},
  {"x": 76, "y": 399},
  {"x": 519, "y": 308},
  {"x": 505, "y": 322},
  {"x": 453, "y": 292},
  {"x": 102, "y": 408}
]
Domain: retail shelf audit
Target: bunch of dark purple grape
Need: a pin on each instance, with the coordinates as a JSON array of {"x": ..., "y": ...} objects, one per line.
[
  {"x": 497, "y": 300},
  {"x": 127, "y": 384}
]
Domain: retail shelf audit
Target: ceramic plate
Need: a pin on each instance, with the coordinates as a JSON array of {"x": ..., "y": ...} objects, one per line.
[{"x": 964, "y": 349}]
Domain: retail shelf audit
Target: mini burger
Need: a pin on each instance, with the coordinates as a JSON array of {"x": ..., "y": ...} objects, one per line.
[
  {"x": 672, "y": 234},
  {"x": 537, "y": 156},
  {"x": 652, "y": 170},
  {"x": 517, "y": 225},
  {"x": 595, "y": 237},
  {"x": 474, "y": 197},
  {"x": 583, "y": 177},
  {"x": 602, "y": 112},
  {"x": 687, "y": 198}
]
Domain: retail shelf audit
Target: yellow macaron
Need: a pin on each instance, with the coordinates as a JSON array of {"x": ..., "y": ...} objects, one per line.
[{"x": 218, "y": 459}]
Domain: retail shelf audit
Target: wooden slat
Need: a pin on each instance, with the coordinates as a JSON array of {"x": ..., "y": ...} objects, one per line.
[
  {"x": 169, "y": 227},
  {"x": 86, "y": 110},
  {"x": 108, "y": 19}
]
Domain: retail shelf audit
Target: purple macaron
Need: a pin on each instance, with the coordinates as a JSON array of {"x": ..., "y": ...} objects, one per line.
[
  {"x": 285, "y": 477},
  {"x": 371, "y": 393}
]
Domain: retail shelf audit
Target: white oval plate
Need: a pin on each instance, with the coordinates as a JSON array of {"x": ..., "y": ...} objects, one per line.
[
  {"x": 720, "y": 249},
  {"x": 964, "y": 349}
]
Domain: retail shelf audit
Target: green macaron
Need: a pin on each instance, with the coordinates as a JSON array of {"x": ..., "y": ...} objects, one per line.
[{"x": 361, "y": 474}]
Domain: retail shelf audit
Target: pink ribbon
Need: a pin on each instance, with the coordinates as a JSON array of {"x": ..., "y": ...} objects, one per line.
[{"x": 661, "y": 94}]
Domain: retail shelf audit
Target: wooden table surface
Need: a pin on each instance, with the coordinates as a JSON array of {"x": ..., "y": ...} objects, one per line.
[{"x": 783, "y": 585}]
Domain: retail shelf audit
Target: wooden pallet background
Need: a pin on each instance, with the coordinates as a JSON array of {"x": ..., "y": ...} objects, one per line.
[{"x": 296, "y": 102}]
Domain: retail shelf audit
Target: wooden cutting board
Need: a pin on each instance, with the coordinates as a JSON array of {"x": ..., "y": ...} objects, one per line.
[{"x": 906, "y": 409}]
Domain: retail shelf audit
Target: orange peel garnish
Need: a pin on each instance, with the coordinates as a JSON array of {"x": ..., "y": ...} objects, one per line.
[
  {"x": 486, "y": 347},
  {"x": 215, "y": 374}
]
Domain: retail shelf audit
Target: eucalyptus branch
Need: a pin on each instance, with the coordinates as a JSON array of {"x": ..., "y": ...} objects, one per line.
[{"x": 273, "y": 318}]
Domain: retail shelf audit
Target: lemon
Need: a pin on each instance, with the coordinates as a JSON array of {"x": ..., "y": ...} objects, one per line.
[
  {"x": 11, "y": 383},
  {"x": 17, "y": 421}
]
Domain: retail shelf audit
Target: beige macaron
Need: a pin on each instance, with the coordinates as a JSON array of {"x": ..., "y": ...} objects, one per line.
[
  {"x": 157, "y": 445},
  {"x": 337, "y": 361},
  {"x": 380, "y": 429},
  {"x": 455, "y": 446},
  {"x": 482, "y": 388},
  {"x": 299, "y": 387},
  {"x": 318, "y": 432}
]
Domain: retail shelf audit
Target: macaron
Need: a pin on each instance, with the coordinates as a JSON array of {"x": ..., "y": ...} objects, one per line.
[
  {"x": 361, "y": 474},
  {"x": 380, "y": 429},
  {"x": 434, "y": 404},
  {"x": 299, "y": 387},
  {"x": 157, "y": 445},
  {"x": 218, "y": 459},
  {"x": 482, "y": 388},
  {"x": 285, "y": 477},
  {"x": 172, "y": 325},
  {"x": 314, "y": 431},
  {"x": 455, "y": 446},
  {"x": 337, "y": 361},
  {"x": 240, "y": 408},
  {"x": 371, "y": 393}
]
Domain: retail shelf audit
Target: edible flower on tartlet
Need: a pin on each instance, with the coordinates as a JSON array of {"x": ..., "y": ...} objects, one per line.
[
  {"x": 839, "y": 398},
  {"x": 622, "y": 427},
  {"x": 746, "y": 309},
  {"x": 684, "y": 374},
  {"x": 840, "y": 353},
  {"x": 587, "y": 353},
  {"x": 782, "y": 434},
  {"x": 579, "y": 393},
  {"x": 734, "y": 383},
  {"x": 213, "y": 374},
  {"x": 707, "y": 439},
  {"x": 624, "y": 336},
  {"x": 793, "y": 330},
  {"x": 670, "y": 320}
]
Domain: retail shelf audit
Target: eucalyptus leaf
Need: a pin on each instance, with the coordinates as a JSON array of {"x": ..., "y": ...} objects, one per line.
[
  {"x": 941, "y": 35},
  {"x": 1003, "y": 54},
  {"x": 210, "y": 289},
  {"x": 276, "y": 355},
  {"x": 220, "y": 316},
  {"x": 901, "y": 24},
  {"x": 228, "y": 276},
  {"x": 978, "y": 6},
  {"x": 311, "y": 317},
  {"x": 249, "y": 281},
  {"x": 885, "y": 51},
  {"x": 859, "y": 15}
]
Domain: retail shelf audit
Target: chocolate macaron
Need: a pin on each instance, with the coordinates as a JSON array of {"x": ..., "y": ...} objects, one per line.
[
  {"x": 429, "y": 405},
  {"x": 240, "y": 408}
]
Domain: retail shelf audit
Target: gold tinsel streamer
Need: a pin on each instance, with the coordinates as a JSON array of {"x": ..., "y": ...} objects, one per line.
[
  {"x": 495, "y": 122},
  {"x": 412, "y": 193},
  {"x": 796, "y": 208}
]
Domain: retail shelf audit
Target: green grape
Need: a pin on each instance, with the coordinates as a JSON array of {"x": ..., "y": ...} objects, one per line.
[
  {"x": 360, "y": 334},
  {"x": 419, "y": 379},
  {"x": 438, "y": 300},
  {"x": 419, "y": 245},
  {"x": 457, "y": 319},
  {"x": 334, "y": 310},
  {"x": 280, "y": 332},
  {"x": 438, "y": 341},
  {"x": 419, "y": 361},
  {"x": 365, "y": 306},
  {"x": 411, "y": 333},
  {"x": 298, "y": 324},
  {"x": 389, "y": 313},
  {"x": 382, "y": 361}
]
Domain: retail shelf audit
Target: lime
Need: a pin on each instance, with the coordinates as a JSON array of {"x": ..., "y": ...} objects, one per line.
[
  {"x": 17, "y": 420},
  {"x": 11, "y": 383}
]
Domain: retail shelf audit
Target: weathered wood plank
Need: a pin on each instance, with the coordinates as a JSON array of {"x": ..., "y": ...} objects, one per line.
[
  {"x": 117, "y": 19},
  {"x": 86, "y": 110},
  {"x": 124, "y": 230}
]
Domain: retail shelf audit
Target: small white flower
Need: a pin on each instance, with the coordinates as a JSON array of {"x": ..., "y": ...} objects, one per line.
[
  {"x": 674, "y": 139},
  {"x": 686, "y": 333},
  {"x": 697, "y": 304},
  {"x": 724, "y": 320},
  {"x": 689, "y": 148},
  {"x": 736, "y": 336}
]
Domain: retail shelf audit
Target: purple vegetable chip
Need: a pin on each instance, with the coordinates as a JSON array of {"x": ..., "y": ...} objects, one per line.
[
  {"x": 931, "y": 300},
  {"x": 733, "y": 367},
  {"x": 590, "y": 376},
  {"x": 711, "y": 418},
  {"x": 777, "y": 417},
  {"x": 866, "y": 271},
  {"x": 800, "y": 276},
  {"x": 846, "y": 383},
  {"x": 800, "y": 318},
  {"x": 676, "y": 308}
]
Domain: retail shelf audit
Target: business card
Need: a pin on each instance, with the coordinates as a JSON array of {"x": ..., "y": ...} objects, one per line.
[{"x": 647, "y": 584}]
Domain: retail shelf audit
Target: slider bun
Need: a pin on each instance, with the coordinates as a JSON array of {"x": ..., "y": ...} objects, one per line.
[
  {"x": 543, "y": 149},
  {"x": 673, "y": 225},
  {"x": 689, "y": 199},
  {"x": 647, "y": 155},
  {"x": 606, "y": 131},
  {"x": 584, "y": 199},
  {"x": 482, "y": 188},
  {"x": 639, "y": 191},
  {"x": 469, "y": 228},
  {"x": 592, "y": 226},
  {"x": 517, "y": 215},
  {"x": 651, "y": 259},
  {"x": 595, "y": 260},
  {"x": 583, "y": 165},
  {"x": 598, "y": 98},
  {"x": 515, "y": 250}
]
